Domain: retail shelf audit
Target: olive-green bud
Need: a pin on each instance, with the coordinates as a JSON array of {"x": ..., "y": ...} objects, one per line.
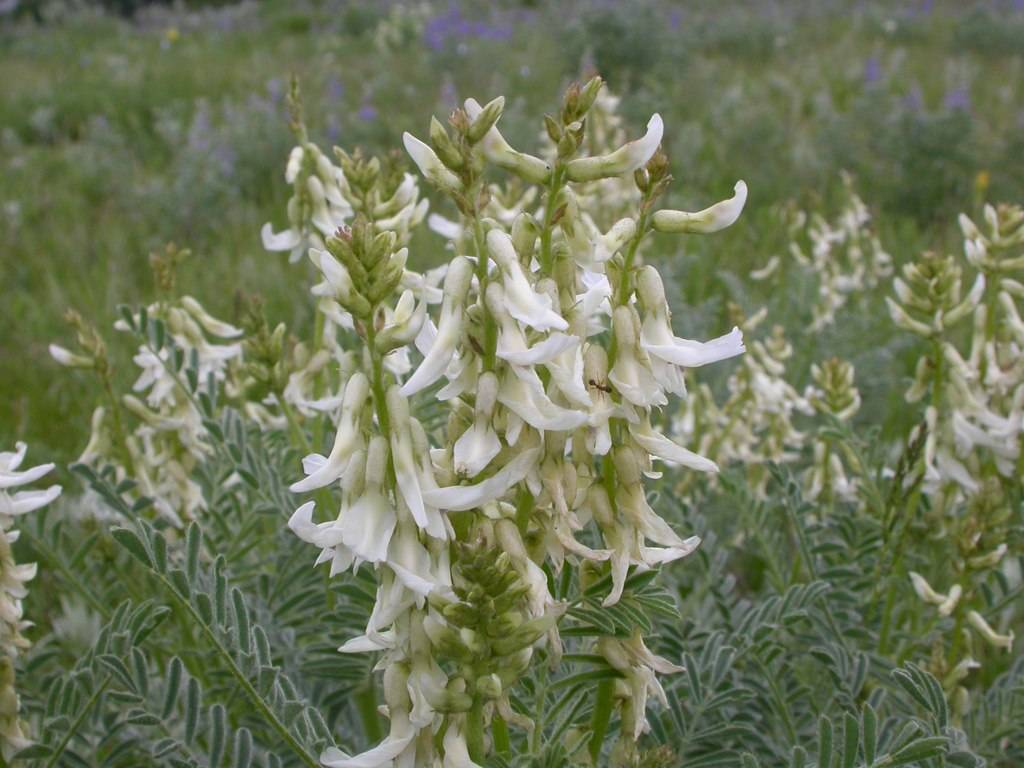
[
  {"x": 571, "y": 102},
  {"x": 489, "y": 686},
  {"x": 568, "y": 144},
  {"x": 588, "y": 94},
  {"x": 505, "y": 624},
  {"x": 451, "y": 701},
  {"x": 447, "y": 641},
  {"x": 524, "y": 236},
  {"x": 381, "y": 245},
  {"x": 446, "y": 149},
  {"x": 461, "y": 614},
  {"x": 553, "y": 128},
  {"x": 513, "y": 666},
  {"x": 358, "y": 305},
  {"x": 484, "y": 121},
  {"x": 524, "y": 636}
]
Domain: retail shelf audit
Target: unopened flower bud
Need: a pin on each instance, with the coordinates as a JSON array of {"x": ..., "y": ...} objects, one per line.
[
  {"x": 489, "y": 686},
  {"x": 430, "y": 164},
  {"x": 986, "y": 631},
  {"x": 624, "y": 160},
  {"x": 718, "y": 216},
  {"x": 68, "y": 358},
  {"x": 485, "y": 119},
  {"x": 445, "y": 148}
]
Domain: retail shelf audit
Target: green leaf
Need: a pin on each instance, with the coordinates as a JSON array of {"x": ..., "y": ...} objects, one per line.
[
  {"x": 824, "y": 742},
  {"x": 218, "y": 734},
  {"x": 869, "y": 737},
  {"x": 131, "y": 541},
  {"x": 851, "y": 740},
  {"x": 922, "y": 749},
  {"x": 172, "y": 686}
]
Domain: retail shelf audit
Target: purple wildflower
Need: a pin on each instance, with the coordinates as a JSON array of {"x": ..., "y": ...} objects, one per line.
[
  {"x": 872, "y": 70},
  {"x": 958, "y": 99}
]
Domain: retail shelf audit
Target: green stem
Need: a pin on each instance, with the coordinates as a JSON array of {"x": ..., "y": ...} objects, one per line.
[
  {"x": 366, "y": 704},
  {"x": 377, "y": 380},
  {"x": 624, "y": 288},
  {"x": 59, "y": 749},
  {"x": 73, "y": 580},
  {"x": 297, "y": 432},
  {"x": 555, "y": 185}
]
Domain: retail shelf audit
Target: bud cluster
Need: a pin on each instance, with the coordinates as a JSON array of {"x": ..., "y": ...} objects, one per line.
[{"x": 834, "y": 395}]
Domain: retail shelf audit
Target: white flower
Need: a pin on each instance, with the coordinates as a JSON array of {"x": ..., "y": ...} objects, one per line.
[
  {"x": 522, "y": 392},
  {"x": 665, "y": 449},
  {"x": 479, "y": 444},
  {"x": 456, "y": 753},
  {"x": 625, "y": 159},
  {"x": 413, "y": 565},
  {"x": 631, "y": 375},
  {"x": 523, "y": 303},
  {"x": 512, "y": 344},
  {"x": 449, "y": 330},
  {"x": 68, "y": 358},
  {"x": 408, "y": 472},
  {"x": 209, "y": 323},
  {"x": 718, "y": 216},
  {"x": 461, "y": 497},
  {"x": 322, "y": 471},
  {"x": 285, "y": 240},
  {"x": 946, "y": 603},
  {"x": 638, "y": 667},
  {"x": 594, "y": 301},
  {"x": 9, "y": 463},
  {"x": 667, "y": 351},
  {"x": 399, "y": 739}
]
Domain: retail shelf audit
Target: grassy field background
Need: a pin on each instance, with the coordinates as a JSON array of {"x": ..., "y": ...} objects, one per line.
[{"x": 120, "y": 134}]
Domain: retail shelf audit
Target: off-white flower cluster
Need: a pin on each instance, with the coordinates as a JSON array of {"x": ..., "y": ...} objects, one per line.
[
  {"x": 974, "y": 411},
  {"x": 755, "y": 424},
  {"x": 553, "y": 349},
  {"x": 975, "y": 395},
  {"x": 843, "y": 255},
  {"x": 13, "y": 579},
  {"x": 169, "y": 439}
]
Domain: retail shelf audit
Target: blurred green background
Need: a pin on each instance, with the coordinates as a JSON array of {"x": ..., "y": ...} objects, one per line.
[{"x": 125, "y": 126}]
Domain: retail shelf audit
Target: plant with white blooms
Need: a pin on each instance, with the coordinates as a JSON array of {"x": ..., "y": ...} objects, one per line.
[
  {"x": 754, "y": 425},
  {"x": 169, "y": 439},
  {"x": 973, "y": 420},
  {"x": 15, "y": 501},
  {"x": 843, "y": 256},
  {"x": 553, "y": 349}
]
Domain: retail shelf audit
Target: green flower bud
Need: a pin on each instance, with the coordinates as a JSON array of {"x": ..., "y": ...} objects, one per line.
[
  {"x": 523, "y": 636},
  {"x": 446, "y": 149},
  {"x": 489, "y": 686},
  {"x": 485, "y": 120}
]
